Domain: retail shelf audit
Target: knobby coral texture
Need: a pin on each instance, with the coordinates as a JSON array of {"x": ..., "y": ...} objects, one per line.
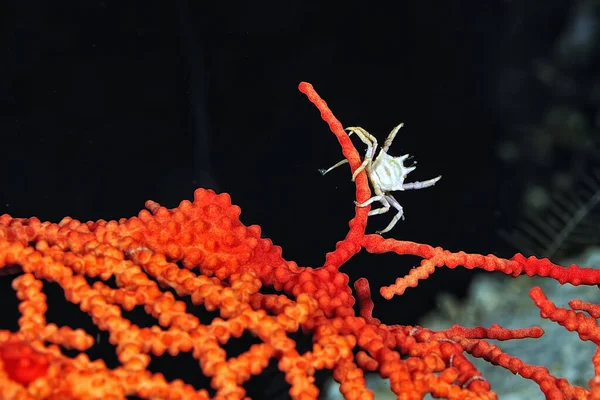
[{"x": 201, "y": 250}]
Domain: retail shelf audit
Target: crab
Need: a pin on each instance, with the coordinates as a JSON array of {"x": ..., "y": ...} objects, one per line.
[{"x": 386, "y": 174}]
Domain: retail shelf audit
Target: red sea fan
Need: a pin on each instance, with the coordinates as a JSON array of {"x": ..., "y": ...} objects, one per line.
[{"x": 201, "y": 251}]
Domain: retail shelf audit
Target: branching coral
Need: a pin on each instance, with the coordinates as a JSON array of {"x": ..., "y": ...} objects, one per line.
[{"x": 201, "y": 250}]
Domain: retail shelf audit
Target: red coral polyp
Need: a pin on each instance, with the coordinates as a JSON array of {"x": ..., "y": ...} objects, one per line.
[{"x": 22, "y": 363}]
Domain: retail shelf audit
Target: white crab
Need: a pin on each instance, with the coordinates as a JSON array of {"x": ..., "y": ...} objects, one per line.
[{"x": 386, "y": 174}]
